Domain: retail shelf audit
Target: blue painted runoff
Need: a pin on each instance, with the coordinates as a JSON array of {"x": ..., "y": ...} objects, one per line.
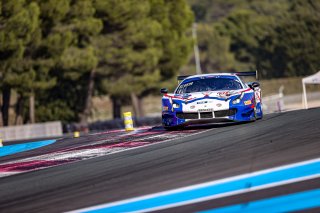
[
  {"x": 16, "y": 148},
  {"x": 286, "y": 203},
  {"x": 197, "y": 192}
]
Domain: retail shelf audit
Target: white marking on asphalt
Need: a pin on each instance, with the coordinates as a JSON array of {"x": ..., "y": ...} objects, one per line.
[
  {"x": 70, "y": 154},
  {"x": 8, "y": 174}
]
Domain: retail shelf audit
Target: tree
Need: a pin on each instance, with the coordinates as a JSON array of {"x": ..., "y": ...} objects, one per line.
[
  {"x": 70, "y": 46},
  {"x": 277, "y": 37},
  {"x": 207, "y": 11},
  {"x": 247, "y": 30},
  {"x": 126, "y": 47},
  {"x": 214, "y": 49},
  {"x": 175, "y": 18},
  {"x": 280, "y": 42},
  {"x": 142, "y": 44},
  {"x": 296, "y": 39},
  {"x": 19, "y": 21}
]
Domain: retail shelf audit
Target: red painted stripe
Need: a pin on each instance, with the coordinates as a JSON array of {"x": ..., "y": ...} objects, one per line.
[
  {"x": 108, "y": 144},
  {"x": 246, "y": 90},
  {"x": 111, "y": 146}
]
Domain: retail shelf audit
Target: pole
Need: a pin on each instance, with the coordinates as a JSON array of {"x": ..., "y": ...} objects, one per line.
[
  {"x": 196, "y": 48},
  {"x": 304, "y": 95},
  {"x": 281, "y": 102},
  {"x": 31, "y": 108}
]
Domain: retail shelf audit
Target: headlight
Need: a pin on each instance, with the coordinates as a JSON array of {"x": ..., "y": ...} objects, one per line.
[
  {"x": 165, "y": 108},
  {"x": 238, "y": 99},
  {"x": 175, "y": 105}
]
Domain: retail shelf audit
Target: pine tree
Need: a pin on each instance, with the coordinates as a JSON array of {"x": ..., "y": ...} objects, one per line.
[
  {"x": 19, "y": 21},
  {"x": 69, "y": 37},
  {"x": 142, "y": 44}
]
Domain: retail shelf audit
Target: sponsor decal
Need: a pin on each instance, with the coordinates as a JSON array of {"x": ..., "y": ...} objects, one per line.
[
  {"x": 182, "y": 87},
  {"x": 248, "y": 102},
  {"x": 219, "y": 105},
  {"x": 202, "y": 102},
  {"x": 187, "y": 84},
  {"x": 192, "y": 107},
  {"x": 165, "y": 108},
  {"x": 186, "y": 95},
  {"x": 224, "y": 94},
  {"x": 206, "y": 110}
]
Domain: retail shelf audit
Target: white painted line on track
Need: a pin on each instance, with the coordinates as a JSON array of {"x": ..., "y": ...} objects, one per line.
[{"x": 72, "y": 154}]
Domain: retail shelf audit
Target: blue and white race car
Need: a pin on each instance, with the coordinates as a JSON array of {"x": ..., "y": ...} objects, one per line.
[{"x": 211, "y": 98}]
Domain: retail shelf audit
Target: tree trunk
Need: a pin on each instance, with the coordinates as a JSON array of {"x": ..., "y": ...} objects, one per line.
[
  {"x": 1, "y": 120},
  {"x": 135, "y": 104},
  {"x": 116, "y": 102},
  {"x": 88, "y": 102},
  {"x": 19, "y": 111},
  {"x": 6, "y": 95},
  {"x": 141, "y": 106},
  {"x": 32, "y": 118}
]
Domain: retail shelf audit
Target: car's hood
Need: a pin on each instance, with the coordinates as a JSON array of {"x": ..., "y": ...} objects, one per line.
[{"x": 225, "y": 94}]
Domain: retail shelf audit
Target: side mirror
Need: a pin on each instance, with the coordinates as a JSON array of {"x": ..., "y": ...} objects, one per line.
[
  {"x": 164, "y": 90},
  {"x": 254, "y": 85}
]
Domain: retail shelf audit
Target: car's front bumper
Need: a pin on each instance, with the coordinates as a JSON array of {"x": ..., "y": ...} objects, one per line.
[{"x": 235, "y": 114}]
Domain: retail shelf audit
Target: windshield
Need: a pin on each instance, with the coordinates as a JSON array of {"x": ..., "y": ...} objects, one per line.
[{"x": 209, "y": 84}]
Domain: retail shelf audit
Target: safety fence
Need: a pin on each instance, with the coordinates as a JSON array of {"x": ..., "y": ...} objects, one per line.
[
  {"x": 29, "y": 131},
  {"x": 280, "y": 102}
]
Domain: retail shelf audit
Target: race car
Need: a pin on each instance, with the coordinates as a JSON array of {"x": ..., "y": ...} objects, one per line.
[{"x": 212, "y": 98}]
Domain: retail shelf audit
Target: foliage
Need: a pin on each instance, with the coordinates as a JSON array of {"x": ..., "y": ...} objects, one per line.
[
  {"x": 61, "y": 53},
  {"x": 68, "y": 40},
  {"x": 19, "y": 23},
  {"x": 277, "y": 37},
  {"x": 143, "y": 47},
  {"x": 215, "y": 56}
]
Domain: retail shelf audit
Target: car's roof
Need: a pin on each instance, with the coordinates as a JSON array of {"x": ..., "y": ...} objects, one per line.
[
  {"x": 211, "y": 75},
  {"x": 194, "y": 77}
]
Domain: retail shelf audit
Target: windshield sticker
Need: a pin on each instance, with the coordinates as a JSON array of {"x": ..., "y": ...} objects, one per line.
[
  {"x": 223, "y": 94},
  {"x": 187, "y": 84}
]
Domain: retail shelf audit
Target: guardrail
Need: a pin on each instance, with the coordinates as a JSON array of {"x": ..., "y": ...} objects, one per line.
[
  {"x": 30, "y": 131},
  {"x": 280, "y": 102},
  {"x": 273, "y": 103}
]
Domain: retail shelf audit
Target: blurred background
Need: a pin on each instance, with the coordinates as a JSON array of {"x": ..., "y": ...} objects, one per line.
[{"x": 85, "y": 62}]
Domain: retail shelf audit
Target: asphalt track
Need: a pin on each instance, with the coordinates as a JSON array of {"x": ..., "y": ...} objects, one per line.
[{"x": 218, "y": 152}]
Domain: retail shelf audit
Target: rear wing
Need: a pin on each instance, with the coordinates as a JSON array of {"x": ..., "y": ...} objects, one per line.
[
  {"x": 246, "y": 73},
  {"x": 182, "y": 77}
]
